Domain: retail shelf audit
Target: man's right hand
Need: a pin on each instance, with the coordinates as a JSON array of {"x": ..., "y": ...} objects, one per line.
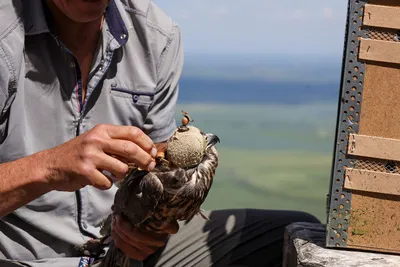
[{"x": 82, "y": 160}]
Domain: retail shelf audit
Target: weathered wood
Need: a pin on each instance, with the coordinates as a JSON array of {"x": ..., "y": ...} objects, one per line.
[
  {"x": 374, "y": 147},
  {"x": 380, "y": 51},
  {"x": 382, "y": 16},
  {"x": 304, "y": 246},
  {"x": 372, "y": 181}
]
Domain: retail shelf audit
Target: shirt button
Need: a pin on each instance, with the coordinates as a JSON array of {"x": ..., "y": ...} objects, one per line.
[
  {"x": 72, "y": 64},
  {"x": 123, "y": 36},
  {"x": 136, "y": 97}
]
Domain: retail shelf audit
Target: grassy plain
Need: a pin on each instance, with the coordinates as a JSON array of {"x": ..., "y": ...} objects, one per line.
[{"x": 271, "y": 156}]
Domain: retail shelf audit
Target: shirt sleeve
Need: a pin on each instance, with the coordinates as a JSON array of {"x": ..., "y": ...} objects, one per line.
[
  {"x": 7, "y": 91},
  {"x": 160, "y": 121},
  {"x": 4, "y": 81}
]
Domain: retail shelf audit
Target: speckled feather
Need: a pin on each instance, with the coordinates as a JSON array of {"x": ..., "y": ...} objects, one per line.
[
  {"x": 150, "y": 200},
  {"x": 178, "y": 195}
]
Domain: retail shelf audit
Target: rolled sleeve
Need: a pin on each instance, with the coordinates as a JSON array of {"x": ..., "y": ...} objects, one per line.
[
  {"x": 5, "y": 93},
  {"x": 160, "y": 121}
]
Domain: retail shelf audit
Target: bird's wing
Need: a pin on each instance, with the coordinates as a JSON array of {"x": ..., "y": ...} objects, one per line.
[{"x": 138, "y": 196}]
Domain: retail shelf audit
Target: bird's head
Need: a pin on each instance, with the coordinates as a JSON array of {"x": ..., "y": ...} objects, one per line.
[
  {"x": 211, "y": 140},
  {"x": 188, "y": 145}
]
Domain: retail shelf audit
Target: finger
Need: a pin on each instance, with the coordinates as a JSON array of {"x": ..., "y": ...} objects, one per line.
[
  {"x": 111, "y": 164},
  {"x": 129, "y": 250},
  {"x": 143, "y": 247},
  {"x": 131, "y": 152},
  {"x": 132, "y": 134},
  {"x": 151, "y": 239},
  {"x": 99, "y": 180}
]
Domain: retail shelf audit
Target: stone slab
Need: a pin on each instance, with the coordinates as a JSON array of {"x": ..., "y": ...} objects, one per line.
[{"x": 304, "y": 246}]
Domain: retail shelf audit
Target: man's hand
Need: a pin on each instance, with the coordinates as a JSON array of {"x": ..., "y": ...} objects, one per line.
[
  {"x": 82, "y": 160},
  {"x": 136, "y": 244}
]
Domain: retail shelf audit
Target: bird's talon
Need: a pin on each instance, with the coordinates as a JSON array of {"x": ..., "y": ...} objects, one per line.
[{"x": 164, "y": 161}]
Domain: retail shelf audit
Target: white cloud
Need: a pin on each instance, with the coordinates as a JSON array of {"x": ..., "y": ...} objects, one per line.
[{"x": 328, "y": 13}]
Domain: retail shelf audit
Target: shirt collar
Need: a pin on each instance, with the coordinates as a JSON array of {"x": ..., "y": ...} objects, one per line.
[
  {"x": 116, "y": 24},
  {"x": 35, "y": 17},
  {"x": 36, "y": 23}
]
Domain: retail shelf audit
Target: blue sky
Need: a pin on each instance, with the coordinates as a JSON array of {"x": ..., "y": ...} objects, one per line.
[{"x": 269, "y": 27}]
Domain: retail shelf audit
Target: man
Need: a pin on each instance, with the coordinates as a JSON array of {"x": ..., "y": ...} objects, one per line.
[{"x": 85, "y": 87}]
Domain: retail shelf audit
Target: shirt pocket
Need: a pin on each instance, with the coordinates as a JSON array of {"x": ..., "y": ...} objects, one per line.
[
  {"x": 130, "y": 105},
  {"x": 137, "y": 97}
]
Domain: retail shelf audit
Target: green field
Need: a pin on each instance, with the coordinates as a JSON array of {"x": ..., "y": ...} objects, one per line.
[{"x": 271, "y": 156}]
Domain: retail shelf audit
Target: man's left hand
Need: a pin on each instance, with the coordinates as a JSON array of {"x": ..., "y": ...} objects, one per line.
[{"x": 136, "y": 243}]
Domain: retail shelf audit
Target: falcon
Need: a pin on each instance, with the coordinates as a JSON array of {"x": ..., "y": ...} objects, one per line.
[{"x": 173, "y": 191}]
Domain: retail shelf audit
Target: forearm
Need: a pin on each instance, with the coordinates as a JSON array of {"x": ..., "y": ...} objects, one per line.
[
  {"x": 22, "y": 181},
  {"x": 71, "y": 166}
]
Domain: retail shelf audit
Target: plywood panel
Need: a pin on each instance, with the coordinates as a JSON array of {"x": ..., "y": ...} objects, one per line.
[
  {"x": 372, "y": 181},
  {"x": 382, "y": 16},
  {"x": 380, "y": 51},
  {"x": 374, "y": 222},
  {"x": 374, "y": 147},
  {"x": 380, "y": 110},
  {"x": 375, "y": 218}
]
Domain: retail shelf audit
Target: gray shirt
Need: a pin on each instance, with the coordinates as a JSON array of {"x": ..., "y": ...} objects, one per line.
[{"x": 133, "y": 81}]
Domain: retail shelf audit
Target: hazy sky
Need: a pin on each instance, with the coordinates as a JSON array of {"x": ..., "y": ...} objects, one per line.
[{"x": 260, "y": 26}]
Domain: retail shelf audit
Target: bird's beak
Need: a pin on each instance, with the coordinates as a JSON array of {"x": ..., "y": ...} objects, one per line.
[{"x": 212, "y": 139}]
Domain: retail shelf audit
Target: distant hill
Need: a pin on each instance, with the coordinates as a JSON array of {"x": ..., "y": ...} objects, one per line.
[
  {"x": 293, "y": 68},
  {"x": 285, "y": 79},
  {"x": 200, "y": 90}
]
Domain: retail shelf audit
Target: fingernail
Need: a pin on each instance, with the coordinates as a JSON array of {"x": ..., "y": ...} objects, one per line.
[
  {"x": 151, "y": 166},
  {"x": 154, "y": 152}
]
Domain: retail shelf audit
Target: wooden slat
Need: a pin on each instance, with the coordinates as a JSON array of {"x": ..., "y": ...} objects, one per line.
[
  {"x": 380, "y": 51},
  {"x": 372, "y": 181},
  {"x": 385, "y": 2},
  {"x": 382, "y": 16},
  {"x": 374, "y": 147}
]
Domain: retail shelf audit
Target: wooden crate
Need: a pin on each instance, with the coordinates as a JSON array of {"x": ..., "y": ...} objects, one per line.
[{"x": 364, "y": 200}]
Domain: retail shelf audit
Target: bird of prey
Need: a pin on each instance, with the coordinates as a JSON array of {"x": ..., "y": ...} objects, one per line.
[{"x": 173, "y": 191}]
